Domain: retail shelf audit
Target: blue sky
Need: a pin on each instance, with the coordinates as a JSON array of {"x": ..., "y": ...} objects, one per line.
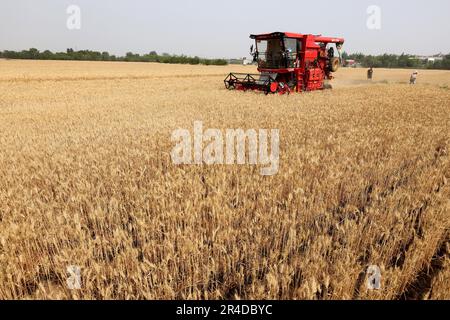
[{"x": 221, "y": 28}]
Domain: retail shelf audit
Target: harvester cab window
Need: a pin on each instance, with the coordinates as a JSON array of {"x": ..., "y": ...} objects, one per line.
[
  {"x": 292, "y": 47},
  {"x": 270, "y": 53}
]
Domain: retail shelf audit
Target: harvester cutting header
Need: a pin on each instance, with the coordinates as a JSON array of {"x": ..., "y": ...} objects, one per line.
[{"x": 289, "y": 62}]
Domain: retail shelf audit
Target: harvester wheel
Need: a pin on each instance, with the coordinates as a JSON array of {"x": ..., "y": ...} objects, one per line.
[
  {"x": 230, "y": 85},
  {"x": 334, "y": 64},
  {"x": 327, "y": 86}
]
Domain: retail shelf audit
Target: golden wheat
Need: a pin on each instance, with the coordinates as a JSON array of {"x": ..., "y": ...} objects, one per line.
[{"x": 87, "y": 180}]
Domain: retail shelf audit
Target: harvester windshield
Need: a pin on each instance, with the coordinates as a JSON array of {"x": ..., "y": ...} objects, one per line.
[
  {"x": 277, "y": 53},
  {"x": 270, "y": 53}
]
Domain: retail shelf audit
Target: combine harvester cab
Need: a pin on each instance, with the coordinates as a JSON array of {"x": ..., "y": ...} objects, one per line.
[{"x": 289, "y": 62}]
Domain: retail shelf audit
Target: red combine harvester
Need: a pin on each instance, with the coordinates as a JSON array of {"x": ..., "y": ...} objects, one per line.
[{"x": 289, "y": 62}]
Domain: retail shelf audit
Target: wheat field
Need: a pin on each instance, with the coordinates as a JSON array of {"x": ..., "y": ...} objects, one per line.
[{"x": 87, "y": 180}]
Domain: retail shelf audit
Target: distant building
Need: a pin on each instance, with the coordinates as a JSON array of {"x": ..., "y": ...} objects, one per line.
[
  {"x": 437, "y": 57},
  {"x": 351, "y": 63}
]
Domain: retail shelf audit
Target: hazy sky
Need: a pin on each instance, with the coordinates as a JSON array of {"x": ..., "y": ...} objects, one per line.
[{"x": 221, "y": 28}]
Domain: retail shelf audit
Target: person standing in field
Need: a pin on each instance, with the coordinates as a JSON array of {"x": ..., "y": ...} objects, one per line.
[
  {"x": 413, "y": 78},
  {"x": 370, "y": 74}
]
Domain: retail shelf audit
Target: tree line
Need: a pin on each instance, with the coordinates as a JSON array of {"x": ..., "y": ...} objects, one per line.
[
  {"x": 88, "y": 55},
  {"x": 376, "y": 61},
  {"x": 397, "y": 61}
]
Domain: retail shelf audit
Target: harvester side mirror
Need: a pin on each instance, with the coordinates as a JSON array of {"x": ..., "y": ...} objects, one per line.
[
  {"x": 339, "y": 49},
  {"x": 253, "y": 53},
  {"x": 255, "y": 56}
]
